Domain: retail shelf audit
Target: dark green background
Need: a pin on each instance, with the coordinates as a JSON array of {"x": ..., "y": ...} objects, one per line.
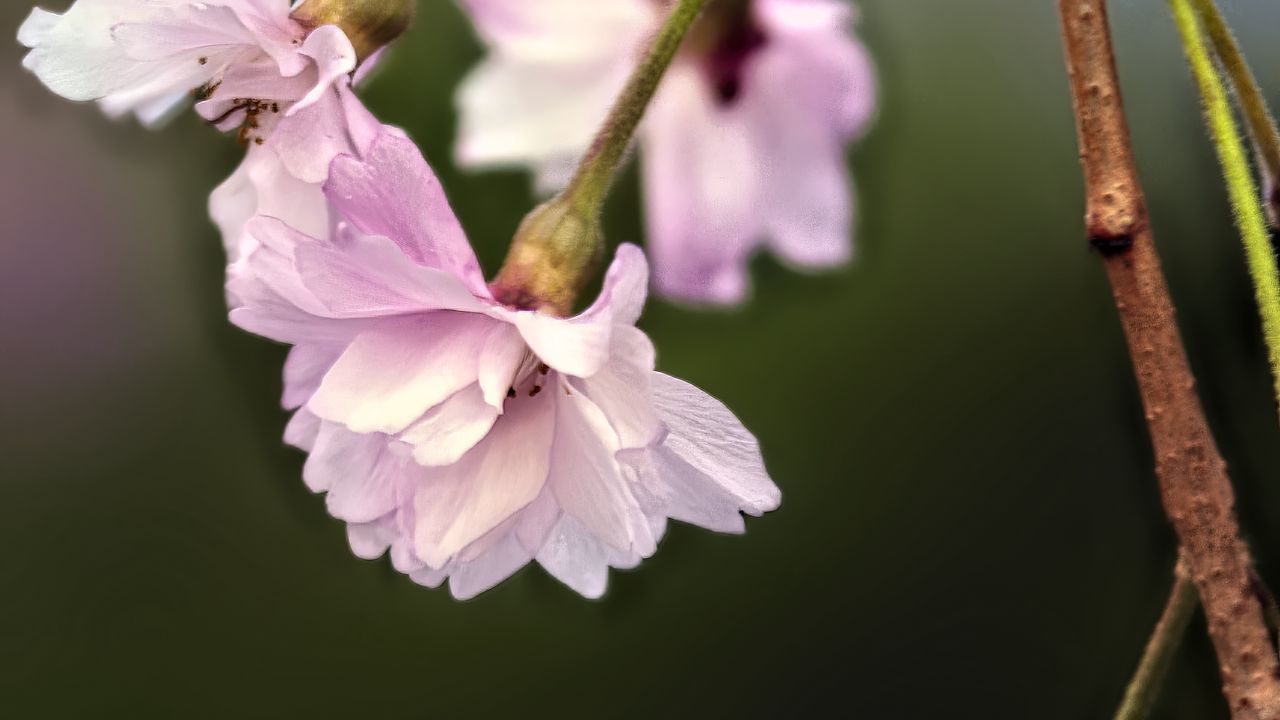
[{"x": 970, "y": 525}]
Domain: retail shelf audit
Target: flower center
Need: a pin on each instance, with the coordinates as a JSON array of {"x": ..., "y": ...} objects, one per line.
[
  {"x": 530, "y": 377},
  {"x": 253, "y": 111},
  {"x": 722, "y": 41}
]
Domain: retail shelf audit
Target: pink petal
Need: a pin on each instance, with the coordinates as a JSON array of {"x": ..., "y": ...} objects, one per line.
[
  {"x": 370, "y": 277},
  {"x": 702, "y": 198},
  {"x": 580, "y": 346},
  {"x": 370, "y": 541},
  {"x": 626, "y": 285},
  {"x": 272, "y": 265},
  {"x": 555, "y": 68},
  {"x": 577, "y": 346},
  {"x": 302, "y": 430},
  {"x": 304, "y": 369},
  {"x": 394, "y": 193},
  {"x": 501, "y": 475},
  {"x": 364, "y": 479},
  {"x": 471, "y": 578},
  {"x": 534, "y": 523},
  {"x": 503, "y": 353},
  {"x": 621, "y": 390},
  {"x": 398, "y": 369},
  {"x": 310, "y": 139},
  {"x": 429, "y": 577},
  {"x": 451, "y": 428},
  {"x": 682, "y": 492},
  {"x": 576, "y": 558},
  {"x": 711, "y": 440},
  {"x": 803, "y": 15},
  {"x": 585, "y": 477},
  {"x": 257, "y": 78},
  {"x": 797, "y": 108},
  {"x": 262, "y": 186},
  {"x": 334, "y": 58},
  {"x": 265, "y": 312},
  {"x": 369, "y": 66}
]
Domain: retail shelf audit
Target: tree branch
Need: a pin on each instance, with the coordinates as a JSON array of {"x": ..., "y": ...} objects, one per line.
[{"x": 1194, "y": 486}]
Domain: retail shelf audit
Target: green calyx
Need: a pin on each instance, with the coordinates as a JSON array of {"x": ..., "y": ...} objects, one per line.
[
  {"x": 369, "y": 24},
  {"x": 556, "y": 250}
]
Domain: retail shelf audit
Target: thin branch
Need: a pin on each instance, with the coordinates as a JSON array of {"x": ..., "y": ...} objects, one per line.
[
  {"x": 1144, "y": 689},
  {"x": 1250, "y": 217},
  {"x": 1258, "y": 117},
  {"x": 1194, "y": 486}
]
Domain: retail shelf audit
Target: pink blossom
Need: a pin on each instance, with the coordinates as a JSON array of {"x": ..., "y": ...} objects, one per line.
[
  {"x": 466, "y": 437},
  {"x": 744, "y": 143},
  {"x": 249, "y": 64}
]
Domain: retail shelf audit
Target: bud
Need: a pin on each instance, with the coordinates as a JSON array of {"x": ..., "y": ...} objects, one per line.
[
  {"x": 552, "y": 257},
  {"x": 369, "y": 24}
]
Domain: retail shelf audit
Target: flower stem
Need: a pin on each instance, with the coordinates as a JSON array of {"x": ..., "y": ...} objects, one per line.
[
  {"x": 559, "y": 244},
  {"x": 1144, "y": 689},
  {"x": 1250, "y": 218},
  {"x": 1257, "y": 116},
  {"x": 1194, "y": 485},
  {"x": 595, "y": 172}
]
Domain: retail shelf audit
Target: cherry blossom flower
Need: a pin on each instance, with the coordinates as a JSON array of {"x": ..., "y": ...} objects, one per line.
[
  {"x": 249, "y": 64},
  {"x": 742, "y": 148},
  {"x": 465, "y": 437}
]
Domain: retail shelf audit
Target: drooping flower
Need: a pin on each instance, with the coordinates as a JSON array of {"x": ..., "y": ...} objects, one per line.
[
  {"x": 743, "y": 146},
  {"x": 253, "y": 65},
  {"x": 468, "y": 437}
]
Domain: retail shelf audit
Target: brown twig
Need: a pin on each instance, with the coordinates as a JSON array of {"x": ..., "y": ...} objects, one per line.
[{"x": 1193, "y": 479}]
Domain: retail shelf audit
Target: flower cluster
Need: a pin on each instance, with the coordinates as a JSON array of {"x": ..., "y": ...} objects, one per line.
[{"x": 461, "y": 432}]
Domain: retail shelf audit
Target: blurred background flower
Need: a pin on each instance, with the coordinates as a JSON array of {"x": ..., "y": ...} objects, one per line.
[
  {"x": 743, "y": 147},
  {"x": 971, "y": 526}
]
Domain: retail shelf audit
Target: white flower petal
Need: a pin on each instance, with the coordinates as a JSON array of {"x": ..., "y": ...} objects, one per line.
[
  {"x": 621, "y": 389},
  {"x": 499, "y": 476},
  {"x": 367, "y": 478},
  {"x": 497, "y": 564},
  {"x": 397, "y": 370},
  {"x": 302, "y": 430},
  {"x": 334, "y": 58},
  {"x": 503, "y": 352},
  {"x": 706, "y": 435},
  {"x": 451, "y": 428},
  {"x": 585, "y": 477},
  {"x": 574, "y": 556},
  {"x": 304, "y": 369},
  {"x": 371, "y": 540}
]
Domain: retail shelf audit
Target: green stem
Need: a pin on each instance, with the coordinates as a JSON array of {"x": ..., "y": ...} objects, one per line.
[
  {"x": 559, "y": 244},
  {"x": 1250, "y": 218},
  {"x": 595, "y": 173},
  {"x": 1144, "y": 689},
  {"x": 1253, "y": 106}
]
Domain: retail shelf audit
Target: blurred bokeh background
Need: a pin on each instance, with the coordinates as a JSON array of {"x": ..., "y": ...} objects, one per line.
[{"x": 970, "y": 525}]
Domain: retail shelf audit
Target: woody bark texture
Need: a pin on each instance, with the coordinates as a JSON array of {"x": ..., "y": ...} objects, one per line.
[{"x": 1193, "y": 480}]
